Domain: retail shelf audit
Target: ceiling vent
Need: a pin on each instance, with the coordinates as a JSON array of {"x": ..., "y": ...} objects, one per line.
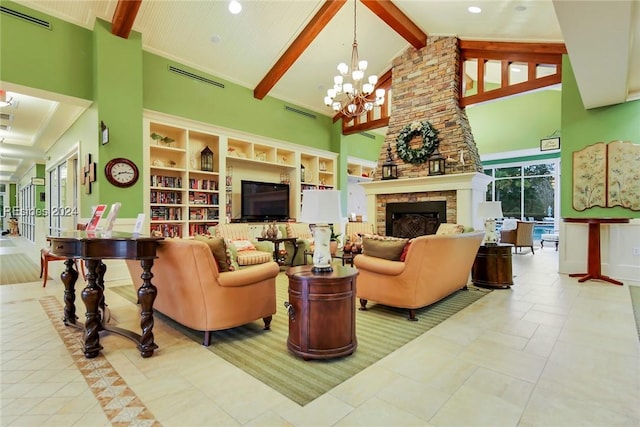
[
  {"x": 190, "y": 75},
  {"x": 303, "y": 113},
  {"x": 28, "y": 18},
  {"x": 6, "y": 128},
  {"x": 5, "y": 116}
]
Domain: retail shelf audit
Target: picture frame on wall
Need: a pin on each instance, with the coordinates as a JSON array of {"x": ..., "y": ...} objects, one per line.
[{"x": 548, "y": 144}]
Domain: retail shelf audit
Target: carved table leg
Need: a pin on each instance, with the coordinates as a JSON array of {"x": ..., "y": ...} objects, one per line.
[
  {"x": 103, "y": 312},
  {"x": 69, "y": 277},
  {"x": 146, "y": 296},
  {"x": 92, "y": 296}
]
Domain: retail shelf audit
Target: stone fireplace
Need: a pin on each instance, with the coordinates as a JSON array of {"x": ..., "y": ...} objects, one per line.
[{"x": 425, "y": 86}]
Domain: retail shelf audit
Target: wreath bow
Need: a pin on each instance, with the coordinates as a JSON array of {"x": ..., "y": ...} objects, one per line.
[{"x": 429, "y": 142}]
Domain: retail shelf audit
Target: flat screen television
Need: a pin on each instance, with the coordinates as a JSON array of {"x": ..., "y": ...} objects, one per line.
[{"x": 264, "y": 201}]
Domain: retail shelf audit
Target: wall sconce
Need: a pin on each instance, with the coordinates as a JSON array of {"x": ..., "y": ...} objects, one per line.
[
  {"x": 389, "y": 168},
  {"x": 436, "y": 163},
  {"x": 104, "y": 131},
  {"x": 206, "y": 160}
]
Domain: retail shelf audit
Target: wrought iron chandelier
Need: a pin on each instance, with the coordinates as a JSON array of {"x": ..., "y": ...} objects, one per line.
[{"x": 350, "y": 95}]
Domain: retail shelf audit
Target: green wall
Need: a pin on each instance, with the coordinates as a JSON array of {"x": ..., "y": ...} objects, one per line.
[
  {"x": 232, "y": 107},
  {"x": 581, "y": 128},
  {"x": 515, "y": 123},
  {"x": 57, "y": 60}
]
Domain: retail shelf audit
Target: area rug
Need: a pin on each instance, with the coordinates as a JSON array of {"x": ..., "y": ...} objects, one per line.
[
  {"x": 264, "y": 354},
  {"x": 635, "y": 303},
  {"x": 17, "y": 268}
]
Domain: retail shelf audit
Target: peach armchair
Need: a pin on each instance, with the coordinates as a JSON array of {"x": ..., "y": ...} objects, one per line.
[
  {"x": 435, "y": 267},
  {"x": 194, "y": 293},
  {"x": 521, "y": 237}
]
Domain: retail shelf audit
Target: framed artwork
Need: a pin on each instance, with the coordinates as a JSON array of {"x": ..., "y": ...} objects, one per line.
[{"x": 547, "y": 144}]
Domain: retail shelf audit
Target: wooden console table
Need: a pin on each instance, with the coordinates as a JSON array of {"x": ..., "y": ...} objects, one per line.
[
  {"x": 492, "y": 266},
  {"x": 93, "y": 247},
  {"x": 593, "y": 249},
  {"x": 322, "y": 312}
]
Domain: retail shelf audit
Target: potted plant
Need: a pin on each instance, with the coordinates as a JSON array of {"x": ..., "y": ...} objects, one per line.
[{"x": 333, "y": 241}]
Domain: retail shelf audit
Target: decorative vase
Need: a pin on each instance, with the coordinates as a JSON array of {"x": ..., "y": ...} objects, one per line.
[
  {"x": 264, "y": 231},
  {"x": 272, "y": 232}
]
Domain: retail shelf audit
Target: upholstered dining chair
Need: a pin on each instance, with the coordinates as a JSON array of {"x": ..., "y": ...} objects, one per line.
[{"x": 46, "y": 256}]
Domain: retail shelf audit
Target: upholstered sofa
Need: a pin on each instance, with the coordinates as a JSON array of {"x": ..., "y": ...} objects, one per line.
[
  {"x": 435, "y": 266},
  {"x": 193, "y": 292},
  {"x": 304, "y": 240}
]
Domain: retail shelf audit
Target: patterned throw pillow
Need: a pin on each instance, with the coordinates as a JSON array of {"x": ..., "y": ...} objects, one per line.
[
  {"x": 444, "y": 229},
  {"x": 219, "y": 249},
  {"x": 243, "y": 245}
]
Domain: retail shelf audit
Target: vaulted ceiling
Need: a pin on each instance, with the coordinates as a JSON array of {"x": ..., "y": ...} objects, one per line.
[{"x": 289, "y": 49}]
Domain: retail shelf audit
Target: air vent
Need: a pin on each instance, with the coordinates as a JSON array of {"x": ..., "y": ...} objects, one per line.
[
  {"x": 28, "y": 18},
  {"x": 6, "y": 128},
  {"x": 5, "y": 116},
  {"x": 368, "y": 135},
  {"x": 303, "y": 113},
  {"x": 195, "y": 76}
]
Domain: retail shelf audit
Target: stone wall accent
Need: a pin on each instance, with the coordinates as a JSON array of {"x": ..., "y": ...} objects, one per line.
[
  {"x": 432, "y": 196},
  {"x": 425, "y": 86}
]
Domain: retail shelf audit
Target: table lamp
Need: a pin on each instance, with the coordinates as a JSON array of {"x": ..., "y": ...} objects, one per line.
[
  {"x": 321, "y": 207},
  {"x": 489, "y": 211}
]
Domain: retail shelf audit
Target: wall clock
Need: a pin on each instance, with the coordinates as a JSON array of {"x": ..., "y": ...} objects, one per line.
[{"x": 121, "y": 172}]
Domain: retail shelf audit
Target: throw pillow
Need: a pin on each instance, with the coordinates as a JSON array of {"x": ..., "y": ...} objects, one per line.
[
  {"x": 386, "y": 249},
  {"x": 243, "y": 245},
  {"x": 219, "y": 251},
  {"x": 405, "y": 251},
  {"x": 445, "y": 228}
]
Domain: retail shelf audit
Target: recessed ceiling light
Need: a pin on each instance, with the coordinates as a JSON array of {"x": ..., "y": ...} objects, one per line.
[
  {"x": 474, "y": 9},
  {"x": 235, "y": 7},
  {"x": 215, "y": 39},
  {"x": 520, "y": 8}
]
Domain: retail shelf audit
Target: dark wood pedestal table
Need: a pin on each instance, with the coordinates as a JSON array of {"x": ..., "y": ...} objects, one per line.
[
  {"x": 93, "y": 248},
  {"x": 278, "y": 256},
  {"x": 593, "y": 248},
  {"x": 322, "y": 312},
  {"x": 492, "y": 266}
]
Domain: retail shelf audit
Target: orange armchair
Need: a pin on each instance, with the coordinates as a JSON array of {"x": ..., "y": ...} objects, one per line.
[{"x": 194, "y": 293}]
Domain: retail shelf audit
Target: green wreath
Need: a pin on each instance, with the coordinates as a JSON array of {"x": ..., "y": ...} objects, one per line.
[{"x": 429, "y": 142}]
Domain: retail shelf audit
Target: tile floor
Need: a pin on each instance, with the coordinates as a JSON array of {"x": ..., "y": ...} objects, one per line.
[{"x": 548, "y": 352}]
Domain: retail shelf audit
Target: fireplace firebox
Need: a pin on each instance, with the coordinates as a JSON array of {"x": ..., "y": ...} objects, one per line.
[{"x": 409, "y": 220}]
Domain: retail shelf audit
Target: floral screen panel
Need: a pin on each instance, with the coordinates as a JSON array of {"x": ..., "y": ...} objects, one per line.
[
  {"x": 607, "y": 175},
  {"x": 623, "y": 175},
  {"x": 589, "y": 177}
]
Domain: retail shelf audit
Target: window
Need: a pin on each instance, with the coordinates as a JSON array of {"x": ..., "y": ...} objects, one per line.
[{"x": 527, "y": 190}]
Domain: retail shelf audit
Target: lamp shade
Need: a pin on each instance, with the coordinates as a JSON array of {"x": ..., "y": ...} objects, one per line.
[
  {"x": 490, "y": 210},
  {"x": 321, "y": 207}
]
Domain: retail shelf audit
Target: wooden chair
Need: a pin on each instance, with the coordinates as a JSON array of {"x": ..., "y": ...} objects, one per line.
[
  {"x": 521, "y": 237},
  {"x": 46, "y": 256}
]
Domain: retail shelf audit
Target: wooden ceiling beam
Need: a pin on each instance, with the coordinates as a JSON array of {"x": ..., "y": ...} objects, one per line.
[
  {"x": 398, "y": 21},
  {"x": 124, "y": 16},
  {"x": 299, "y": 45}
]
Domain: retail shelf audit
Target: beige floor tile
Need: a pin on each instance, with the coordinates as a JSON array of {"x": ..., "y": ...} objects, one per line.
[
  {"x": 414, "y": 397},
  {"x": 377, "y": 412},
  {"x": 323, "y": 411}
]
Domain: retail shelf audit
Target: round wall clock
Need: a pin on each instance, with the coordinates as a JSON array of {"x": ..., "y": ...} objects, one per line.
[{"x": 121, "y": 172}]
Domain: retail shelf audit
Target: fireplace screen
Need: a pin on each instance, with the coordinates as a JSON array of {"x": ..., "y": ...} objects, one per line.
[{"x": 409, "y": 220}]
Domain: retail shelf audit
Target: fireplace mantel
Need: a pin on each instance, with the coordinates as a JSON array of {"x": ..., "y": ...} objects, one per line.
[{"x": 470, "y": 190}]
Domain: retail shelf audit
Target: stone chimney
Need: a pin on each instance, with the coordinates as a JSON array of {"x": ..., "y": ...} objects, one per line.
[{"x": 425, "y": 86}]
